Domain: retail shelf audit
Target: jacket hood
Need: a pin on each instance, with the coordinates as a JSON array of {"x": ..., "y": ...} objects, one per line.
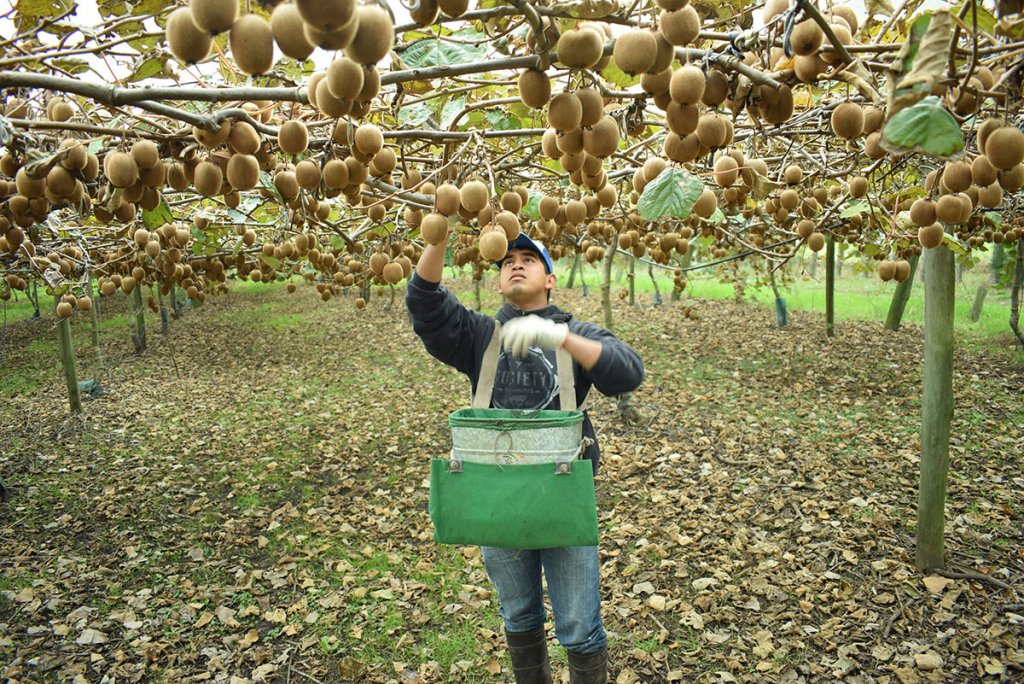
[{"x": 507, "y": 312}]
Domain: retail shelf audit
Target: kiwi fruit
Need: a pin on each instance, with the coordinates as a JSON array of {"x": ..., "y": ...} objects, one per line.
[
  {"x": 793, "y": 174},
  {"x": 635, "y": 51},
  {"x": 716, "y": 88},
  {"x": 338, "y": 39},
  {"x": 726, "y": 171},
  {"x": 602, "y": 139},
  {"x": 712, "y": 131},
  {"x": 705, "y": 205},
  {"x": 474, "y": 196},
  {"x": 287, "y": 184},
  {"x": 289, "y": 32},
  {"x": 493, "y": 245},
  {"x": 512, "y": 201},
  {"x": 565, "y": 112},
  {"x": 368, "y": 139},
  {"x": 653, "y": 167},
  {"x": 593, "y": 106},
  {"x": 307, "y": 174},
  {"x": 806, "y": 37},
  {"x": 208, "y": 178},
  {"x": 243, "y": 138},
  {"x": 120, "y": 169},
  {"x": 687, "y": 85},
  {"x": 680, "y": 27},
  {"x": 534, "y": 88},
  {"x": 384, "y": 162},
  {"x": 371, "y": 86},
  {"x": 145, "y": 153},
  {"x": 816, "y": 241},
  {"x": 293, "y": 137},
  {"x": 657, "y": 82},
  {"x": 154, "y": 176},
  {"x": 453, "y": 8},
  {"x": 776, "y": 106},
  {"x": 809, "y": 68},
  {"x": 982, "y": 171},
  {"x": 64, "y": 309},
  {"x": 580, "y": 48},
  {"x": 357, "y": 172},
  {"x": 434, "y": 228},
  {"x": 1004, "y": 147},
  {"x": 393, "y": 272},
  {"x": 987, "y": 127},
  {"x": 873, "y": 146},
  {"x": 949, "y": 209},
  {"x": 887, "y": 270},
  {"x": 328, "y": 15},
  {"x": 214, "y": 16},
  {"x": 187, "y": 42},
  {"x": 930, "y": 236},
  {"x": 575, "y": 212},
  {"x": 569, "y": 142},
  {"x": 447, "y": 199},
  {"x": 848, "y": 15},
  {"x": 243, "y": 171},
  {"x": 682, "y": 119},
  {"x": 60, "y": 182},
  {"x": 990, "y": 196},
  {"x": 922, "y": 212},
  {"x": 789, "y": 199},
  {"x": 681, "y": 149},
  {"x": 956, "y": 176},
  {"x": 59, "y": 109},
  {"x": 873, "y": 118},
  {"x": 1013, "y": 179},
  {"x": 848, "y": 120},
  {"x": 252, "y": 44},
  {"x": 374, "y": 37},
  {"x": 425, "y": 12}
]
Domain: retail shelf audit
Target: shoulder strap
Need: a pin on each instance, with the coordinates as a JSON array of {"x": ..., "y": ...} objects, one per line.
[
  {"x": 566, "y": 380},
  {"x": 488, "y": 370}
]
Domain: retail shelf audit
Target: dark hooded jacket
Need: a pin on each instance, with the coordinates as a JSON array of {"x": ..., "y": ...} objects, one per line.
[{"x": 459, "y": 336}]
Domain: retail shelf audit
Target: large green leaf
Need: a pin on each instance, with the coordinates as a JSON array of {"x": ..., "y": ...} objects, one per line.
[
  {"x": 414, "y": 115},
  {"x": 854, "y": 208},
  {"x": 146, "y": 68},
  {"x": 154, "y": 218},
  {"x": 926, "y": 127},
  {"x": 500, "y": 122},
  {"x": 450, "y": 110},
  {"x": 532, "y": 208},
  {"x": 42, "y": 8},
  {"x": 431, "y": 52},
  {"x": 673, "y": 193}
]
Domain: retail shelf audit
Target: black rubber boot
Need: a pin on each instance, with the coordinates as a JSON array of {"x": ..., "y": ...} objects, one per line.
[
  {"x": 529, "y": 653},
  {"x": 591, "y": 668}
]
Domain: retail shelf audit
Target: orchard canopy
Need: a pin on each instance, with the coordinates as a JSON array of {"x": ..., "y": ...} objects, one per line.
[{"x": 154, "y": 145}]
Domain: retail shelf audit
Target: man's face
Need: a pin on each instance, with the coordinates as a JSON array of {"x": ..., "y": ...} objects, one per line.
[{"x": 524, "y": 280}]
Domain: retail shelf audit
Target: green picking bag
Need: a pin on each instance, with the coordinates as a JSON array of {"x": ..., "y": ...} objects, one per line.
[
  {"x": 530, "y": 506},
  {"x": 515, "y": 478}
]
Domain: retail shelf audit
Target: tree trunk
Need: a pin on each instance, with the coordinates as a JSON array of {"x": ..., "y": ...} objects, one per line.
[
  {"x": 67, "y": 359},
  {"x": 165, "y": 323},
  {"x": 654, "y": 281},
  {"x": 813, "y": 270},
  {"x": 936, "y": 405},
  {"x": 900, "y": 298},
  {"x": 830, "y": 286},
  {"x": 140, "y": 321},
  {"x": 781, "y": 316},
  {"x": 996, "y": 265},
  {"x": 1018, "y": 282},
  {"x": 476, "y": 292},
  {"x": 33, "y": 296},
  {"x": 979, "y": 302},
  {"x": 632, "y": 282},
  {"x": 575, "y": 268},
  {"x": 606, "y": 284}
]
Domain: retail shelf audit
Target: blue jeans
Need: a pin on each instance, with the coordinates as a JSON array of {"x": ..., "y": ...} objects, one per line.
[{"x": 573, "y": 580}]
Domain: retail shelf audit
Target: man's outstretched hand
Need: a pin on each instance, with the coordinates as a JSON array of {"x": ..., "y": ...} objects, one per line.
[{"x": 519, "y": 334}]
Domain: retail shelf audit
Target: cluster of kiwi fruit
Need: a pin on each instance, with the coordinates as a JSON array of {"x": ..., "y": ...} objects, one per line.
[{"x": 581, "y": 136}]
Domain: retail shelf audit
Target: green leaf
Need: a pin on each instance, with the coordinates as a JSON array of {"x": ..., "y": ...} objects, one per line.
[
  {"x": 986, "y": 21},
  {"x": 926, "y": 127},
  {"x": 431, "y": 53},
  {"x": 995, "y": 218},
  {"x": 922, "y": 60},
  {"x": 72, "y": 65},
  {"x": 717, "y": 217},
  {"x": 673, "y": 193},
  {"x": 854, "y": 209},
  {"x": 613, "y": 74},
  {"x": 154, "y": 218},
  {"x": 272, "y": 262},
  {"x": 953, "y": 244},
  {"x": 500, "y": 122},
  {"x": 147, "y": 68},
  {"x": 532, "y": 208},
  {"x": 450, "y": 110},
  {"x": 414, "y": 115},
  {"x": 42, "y": 8}
]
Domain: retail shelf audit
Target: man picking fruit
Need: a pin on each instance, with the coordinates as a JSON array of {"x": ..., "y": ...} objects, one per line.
[{"x": 532, "y": 330}]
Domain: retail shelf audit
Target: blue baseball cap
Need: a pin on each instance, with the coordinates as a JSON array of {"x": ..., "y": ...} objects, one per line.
[{"x": 523, "y": 241}]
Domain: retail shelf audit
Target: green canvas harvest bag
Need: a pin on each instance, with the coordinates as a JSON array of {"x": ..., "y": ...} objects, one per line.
[{"x": 515, "y": 479}]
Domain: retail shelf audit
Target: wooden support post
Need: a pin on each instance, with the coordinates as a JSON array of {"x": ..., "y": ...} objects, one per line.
[
  {"x": 830, "y": 285},
  {"x": 632, "y": 282},
  {"x": 936, "y": 406},
  {"x": 606, "y": 284}
]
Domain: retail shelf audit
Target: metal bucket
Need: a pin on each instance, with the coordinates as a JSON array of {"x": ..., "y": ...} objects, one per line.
[{"x": 509, "y": 437}]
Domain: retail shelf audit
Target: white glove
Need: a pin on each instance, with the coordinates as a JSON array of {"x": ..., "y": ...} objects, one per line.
[{"x": 519, "y": 334}]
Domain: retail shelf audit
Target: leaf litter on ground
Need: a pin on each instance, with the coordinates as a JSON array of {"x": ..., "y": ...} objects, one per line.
[{"x": 247, "y": 502}]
